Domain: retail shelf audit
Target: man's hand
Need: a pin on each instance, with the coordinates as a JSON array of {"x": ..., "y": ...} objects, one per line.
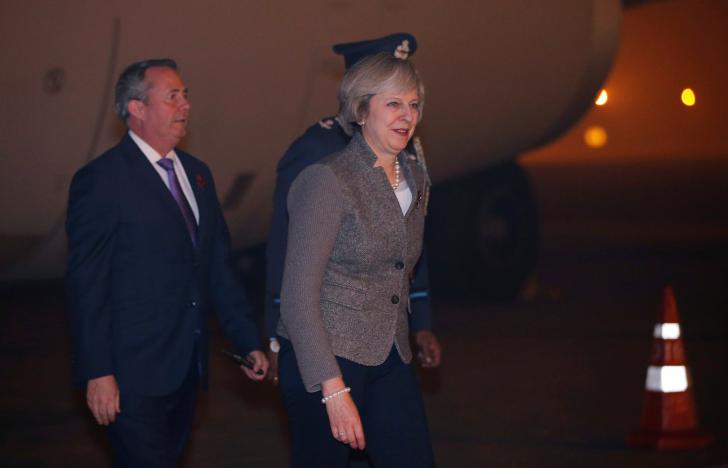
[
  {"x": 259, "y": 362},
  {"x": 429, "y": 352},
  {"x": 102, "y": 397},
  {"x": 273, "y": 369}
]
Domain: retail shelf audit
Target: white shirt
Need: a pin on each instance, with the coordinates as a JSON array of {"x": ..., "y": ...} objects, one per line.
[
  {"x": 184, "y": 182},
  {"x": 404, "y": 195}
]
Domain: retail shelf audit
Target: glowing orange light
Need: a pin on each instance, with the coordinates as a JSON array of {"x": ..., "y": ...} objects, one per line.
[
  {"x": 595, "y": 137},
  {"x": 688, "y": 97},
  {"x": 603, "y": 98}
]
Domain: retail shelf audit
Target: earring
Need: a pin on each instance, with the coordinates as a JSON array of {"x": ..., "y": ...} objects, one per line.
[{"x": 361, "y": 124}]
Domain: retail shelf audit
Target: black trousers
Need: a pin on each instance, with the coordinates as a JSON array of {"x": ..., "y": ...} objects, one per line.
[
  {"x": 390, "y": 405},
  {"x": 152, "y": 431}
]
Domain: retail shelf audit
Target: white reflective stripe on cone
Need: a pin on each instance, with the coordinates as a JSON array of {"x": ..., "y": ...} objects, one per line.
[
  {"x": 667, "y": 331},
  {"x": 667, "y": 379}
]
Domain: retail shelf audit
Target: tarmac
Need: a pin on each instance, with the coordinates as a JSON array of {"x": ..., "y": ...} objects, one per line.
[{"x": 555, "y": 379}]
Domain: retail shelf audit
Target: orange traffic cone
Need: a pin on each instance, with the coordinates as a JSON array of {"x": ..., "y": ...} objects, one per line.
[{"x": 669, "y": 419}]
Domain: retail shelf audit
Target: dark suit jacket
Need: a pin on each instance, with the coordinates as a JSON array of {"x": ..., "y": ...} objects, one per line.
[{"x": 138, "y": 289}]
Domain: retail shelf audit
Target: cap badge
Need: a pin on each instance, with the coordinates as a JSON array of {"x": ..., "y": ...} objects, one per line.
[{"x": 402, "y": 51}]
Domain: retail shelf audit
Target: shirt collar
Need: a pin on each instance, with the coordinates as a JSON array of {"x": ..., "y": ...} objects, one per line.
[{"x": 148, "y": 151}]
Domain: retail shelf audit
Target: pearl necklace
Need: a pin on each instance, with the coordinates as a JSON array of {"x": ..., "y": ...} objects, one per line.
[{"x": 395, "y": 185}]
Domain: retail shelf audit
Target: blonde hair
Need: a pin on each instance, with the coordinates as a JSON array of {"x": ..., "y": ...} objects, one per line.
[{"x": 374, "y": 75}]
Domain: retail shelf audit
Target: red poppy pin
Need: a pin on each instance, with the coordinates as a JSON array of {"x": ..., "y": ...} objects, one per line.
[{"x": 201, "y": 182}]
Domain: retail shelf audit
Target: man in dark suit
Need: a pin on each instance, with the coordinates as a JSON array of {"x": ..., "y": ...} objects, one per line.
[{"x": 149, "y": 255}]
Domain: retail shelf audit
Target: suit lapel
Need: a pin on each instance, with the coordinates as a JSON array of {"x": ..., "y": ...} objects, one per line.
[
  {"x": 144, "y": 177},
  {"x": 377, "y": 182},
  {"x": 199, "y": 186},
  {"x": 365, "y": 159},
  {"x": 415, "y": 180},
  {"x": 406, "y": 170}
]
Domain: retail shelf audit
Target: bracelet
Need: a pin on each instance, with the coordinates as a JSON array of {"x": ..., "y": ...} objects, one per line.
[{"x": 335, "y": 394}]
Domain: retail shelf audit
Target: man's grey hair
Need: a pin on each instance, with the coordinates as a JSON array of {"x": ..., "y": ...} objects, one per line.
[
  {"x": 131, "y": 85},
  {"x": 374, "y": 75}
]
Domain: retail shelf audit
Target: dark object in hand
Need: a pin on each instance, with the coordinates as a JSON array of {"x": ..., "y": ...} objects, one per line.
[{"x": 240, "y": 360}]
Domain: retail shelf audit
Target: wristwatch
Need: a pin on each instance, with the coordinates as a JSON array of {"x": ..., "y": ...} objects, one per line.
[{"x": 274, "y": 345}]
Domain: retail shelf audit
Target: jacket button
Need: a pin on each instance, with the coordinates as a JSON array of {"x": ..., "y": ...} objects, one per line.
[
  {"x": 193, "y": 303},
  {"x": 399, "y": 265},
  {"x": 395, "y": 299}
]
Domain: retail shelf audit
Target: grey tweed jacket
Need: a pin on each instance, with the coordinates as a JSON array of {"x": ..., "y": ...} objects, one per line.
[{"x": 350, "y": 255}]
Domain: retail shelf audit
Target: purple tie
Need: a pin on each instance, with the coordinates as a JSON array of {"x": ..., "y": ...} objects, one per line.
[{"x": 179, "y": 197}]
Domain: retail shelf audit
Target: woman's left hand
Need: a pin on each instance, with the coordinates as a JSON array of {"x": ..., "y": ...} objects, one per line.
[{"x": 344, "y": 417}]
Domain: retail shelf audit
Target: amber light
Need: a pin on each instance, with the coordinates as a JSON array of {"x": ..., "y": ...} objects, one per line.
[
  {"x": 595, "y": 137},
  {"x": 688, "y": 97},
  {"x": 602, "y": 98}
]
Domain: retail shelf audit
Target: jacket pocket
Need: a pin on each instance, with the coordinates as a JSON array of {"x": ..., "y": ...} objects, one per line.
[{"x": 344, "y": 295}]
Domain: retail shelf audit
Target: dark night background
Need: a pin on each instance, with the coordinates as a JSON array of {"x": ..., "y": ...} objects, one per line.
[{"x": 552, "y": 379}]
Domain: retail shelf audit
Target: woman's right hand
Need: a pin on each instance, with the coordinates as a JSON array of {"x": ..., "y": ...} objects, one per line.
[{"x": 343, "y": 415}]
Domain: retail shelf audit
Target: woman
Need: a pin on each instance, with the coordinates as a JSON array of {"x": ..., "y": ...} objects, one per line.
[{"x": 356, "y": 221}]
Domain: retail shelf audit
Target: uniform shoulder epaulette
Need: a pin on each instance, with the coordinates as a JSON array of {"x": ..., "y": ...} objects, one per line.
[
  {"x": 419, "y": 157},
  {"x": 327, "y": 123}
]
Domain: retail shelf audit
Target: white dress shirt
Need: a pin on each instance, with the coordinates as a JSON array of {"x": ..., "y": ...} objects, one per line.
[
  {"x": 404, "y": 195},
  {"x": 184, "y": 182}
]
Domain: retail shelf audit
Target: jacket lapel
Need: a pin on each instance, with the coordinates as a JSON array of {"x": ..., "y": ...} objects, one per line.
[
  {"x": 144, "y": 177},
  {"x": 365, "y": 159},
  {"x": 376, "y": 178},
  {"x": 199, "y": 186},
  {"x": 416, "y": 181}
]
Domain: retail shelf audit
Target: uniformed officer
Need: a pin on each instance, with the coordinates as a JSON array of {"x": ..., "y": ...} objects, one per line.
[{"x": 321, "y": 139}]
